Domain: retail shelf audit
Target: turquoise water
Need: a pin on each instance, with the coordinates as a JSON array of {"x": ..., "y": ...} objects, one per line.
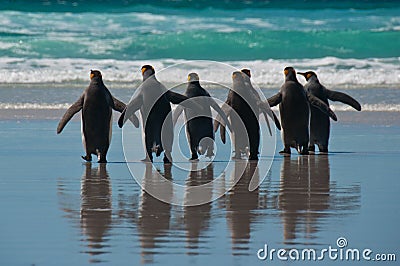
[
  {"x": 60, "y": 39},
  {"x": 247, "y": 33}
]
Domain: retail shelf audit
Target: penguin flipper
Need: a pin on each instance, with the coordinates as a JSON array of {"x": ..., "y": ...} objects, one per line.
[
  {"x": 176, "y": 114},
  {"x": 129, "y": 111},
  {"x": 72, "y": 110},
  {"x": 175, "y": 98},
  {"x": 222, "y": 133},
  {"x": 344, "y": 98},
  {"x": 315, "y": 101},
  {"x": 276, "y": 120},
  {"x": 222, "y": 112},
  {"x": 217, "y": 123},
  {"x": 275, "y": 100},
  {"x": 264, "y": 108},
  {"x": 120, "y": 107}
]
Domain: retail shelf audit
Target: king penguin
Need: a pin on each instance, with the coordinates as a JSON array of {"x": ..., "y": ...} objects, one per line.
[
  {"x": 199, "y": 125},
  {"x": 96, "y": 104},
  {"x": 319, "y": 122},
  {"x": 153, "y": 99},
  {"x": 294, "y": 110}
]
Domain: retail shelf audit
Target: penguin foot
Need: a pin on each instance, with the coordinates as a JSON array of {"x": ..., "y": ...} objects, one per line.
[
  {"x": 236, "y": 157},
  {"x": 200, "y": 150},
  {"x": 323, "y": 149},
  {"x": 253, "y": 158},
  {"x": 87, "y": 158},
  {"x": 210, "y": 154},
  {"x": 311, "y": 148},
  {"x": 147, "y": 160},
  {"x": 285, "y": 151},
  {"x": 194, "y": 159},
  {"x": 102, "y": 160},
  {"x": 158, "y": 150},
  {"x": 304, "y": 152}
]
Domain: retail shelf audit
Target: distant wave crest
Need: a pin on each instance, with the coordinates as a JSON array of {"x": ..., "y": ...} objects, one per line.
[{"x": 332, "y": 71}]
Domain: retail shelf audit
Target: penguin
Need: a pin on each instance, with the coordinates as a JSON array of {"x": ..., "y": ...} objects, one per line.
[
  {"x": 264, "y": 107},
  {"x": 319, "y": 122},
  {"x": 96, "y": 104},
  {"x": 294, "y": 109},
  {"x": 153, "y": 99},
  {"x": 244, "y": 119},
  {"x": 199, "y": 125}
]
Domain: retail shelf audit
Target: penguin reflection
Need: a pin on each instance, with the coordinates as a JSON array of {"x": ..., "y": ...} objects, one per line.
[
  {"x": 96, "y": 216},
  {"x": 197, "y": 218},
  {"x": 241, "y": 204},
  {"x": 154, "y": 215},
  {"x": 304, "y": 194}
]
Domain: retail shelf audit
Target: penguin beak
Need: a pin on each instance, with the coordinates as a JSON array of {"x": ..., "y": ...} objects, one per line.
[{"x": 301, "y": 73}]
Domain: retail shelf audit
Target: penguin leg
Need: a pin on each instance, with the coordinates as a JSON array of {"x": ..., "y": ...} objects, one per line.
[
  {"x": 87, "y": 158},
  {"x": 167, "y": 157},
  {"x": 323, "y": 148},
  {"x": 311, "y": 146},
  {"x": 102, "y": 158},
  {"x": 102, "y": 155},
  {"x": 254, "y": 144},
  {"x": 237, "y": 155},
  {"x": 159, "y": 150},
  {"x": 303, "y": 149},
  {"x": 210, "y": 147},
  {"x": 149, "y": 148},
  {"x": 286, "y": 150},
  {"x": 238, "y": 150},
  {"x": 193, "y": 150}
]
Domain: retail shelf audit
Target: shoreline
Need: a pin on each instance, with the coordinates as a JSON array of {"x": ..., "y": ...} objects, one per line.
[{"x": 373, "y": 118}]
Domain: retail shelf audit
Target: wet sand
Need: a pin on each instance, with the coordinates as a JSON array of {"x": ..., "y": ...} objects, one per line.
[{"x": 58, "y": 210}]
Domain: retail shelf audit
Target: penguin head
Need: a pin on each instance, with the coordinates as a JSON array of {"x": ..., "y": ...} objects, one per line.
[
  {"x": 238, "y": 77},
  {"x": 95, "y": 74},
  {"x": 147, "y": 71},
  {"x": 290, "y": 74},
  {"x": 247, "y": 72},
  {"x": 193, "y": 77},
  {"x": 308, "y": 75}
]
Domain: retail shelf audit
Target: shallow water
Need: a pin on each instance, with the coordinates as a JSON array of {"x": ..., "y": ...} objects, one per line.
[{"x": 58, "y": 210}]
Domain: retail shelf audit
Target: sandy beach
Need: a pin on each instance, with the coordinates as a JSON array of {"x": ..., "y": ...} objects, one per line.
[{"x": 55, "y": 206}]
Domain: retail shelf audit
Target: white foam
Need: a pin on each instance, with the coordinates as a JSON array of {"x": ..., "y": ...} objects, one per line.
[
  {"x": 365, "y": 108},
  {"x": 332, "y": 71},
  {"x": 369, "y": 107},
  {"x": 335, "y": 107},
  {"x": 33, "y": 106}
]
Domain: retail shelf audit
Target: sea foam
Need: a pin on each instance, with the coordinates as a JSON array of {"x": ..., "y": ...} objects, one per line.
[{"x": 332, "y": 71}]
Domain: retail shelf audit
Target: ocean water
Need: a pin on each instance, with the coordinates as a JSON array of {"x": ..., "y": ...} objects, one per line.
[{"x": 349, "y": 44}]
